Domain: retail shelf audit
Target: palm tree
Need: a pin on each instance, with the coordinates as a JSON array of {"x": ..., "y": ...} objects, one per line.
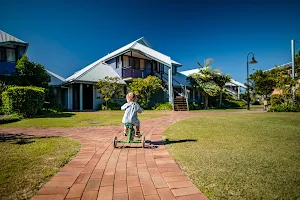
[
  {"x": 204, "y": 79},
  {"x": 221, "y": 80}
]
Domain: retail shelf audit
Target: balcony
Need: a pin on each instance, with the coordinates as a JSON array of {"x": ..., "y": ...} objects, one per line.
[
  {"x": 7, "y": 68},
  {"x": 130, "y": 72}
]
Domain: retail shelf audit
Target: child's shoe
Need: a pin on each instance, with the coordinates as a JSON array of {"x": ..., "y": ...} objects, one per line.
[
  {"x": 125, "y": 134},
  {"x": 138, "y": 134}
]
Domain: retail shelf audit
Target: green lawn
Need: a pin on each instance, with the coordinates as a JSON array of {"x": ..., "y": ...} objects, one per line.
[
  {"x": 244, "y": 156},
  {"x": 72, "y": 119},
  {"x": 26, "y": 164}
]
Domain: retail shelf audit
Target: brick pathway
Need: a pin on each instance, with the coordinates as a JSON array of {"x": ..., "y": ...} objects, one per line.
[{"x": 100, "y": 171}]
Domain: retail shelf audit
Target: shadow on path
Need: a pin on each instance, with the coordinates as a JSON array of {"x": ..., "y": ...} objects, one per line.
[{"x": 20, "y": 138}]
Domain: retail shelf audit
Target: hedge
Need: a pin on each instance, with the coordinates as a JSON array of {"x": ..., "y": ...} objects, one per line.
[
  {"x": 276, "y": 99},
  {"x": 283, "y": 108},
  {"x": 25, "y": 101}
]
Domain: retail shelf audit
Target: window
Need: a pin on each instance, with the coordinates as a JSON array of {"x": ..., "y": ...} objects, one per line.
[
  {"x": 10, "y": 55},
  {"x": 142, "y": 64},
  {"x": 2, "y": 54},
  {"x": 136, "y": 63},
  {"x": 174, "y": 70},
  {"x": 156, "y": 66},
  {"x": 125, "y": 61},
  {"x": 131, "y": 61},
  {"x": 117, "y": 62}
]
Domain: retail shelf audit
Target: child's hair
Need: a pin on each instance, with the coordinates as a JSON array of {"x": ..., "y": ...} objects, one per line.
[{"x": 131, "y": 96}]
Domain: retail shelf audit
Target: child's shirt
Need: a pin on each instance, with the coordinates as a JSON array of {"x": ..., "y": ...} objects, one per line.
[{"x": 130, "y": 115}]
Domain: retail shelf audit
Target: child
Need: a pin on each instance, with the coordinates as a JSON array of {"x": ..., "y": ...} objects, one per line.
[
  {"x": 265, "y": 104},
  {"x": 130, "y": 116}
]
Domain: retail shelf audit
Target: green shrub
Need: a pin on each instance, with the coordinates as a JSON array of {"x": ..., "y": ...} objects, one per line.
[
  {"x": 163, "y": 106},
  {"x": 26, "y": 101},
  {"x": 255, "y": 102},
  {"x": 111, "y": 106},
  {"x": 10, "y": 118},
  {"x": 276, "y": 99},
  {"x": 283, "y": 108},
  {"x": 194, "y": 106},
  {"x": 232, "y": 104}
]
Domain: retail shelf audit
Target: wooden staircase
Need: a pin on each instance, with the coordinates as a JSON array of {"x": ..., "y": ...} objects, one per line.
[{"x": 180, "y": 104}]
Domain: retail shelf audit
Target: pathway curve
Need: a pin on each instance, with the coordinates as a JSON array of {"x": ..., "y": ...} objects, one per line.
[{"x": 100, "y": 171}]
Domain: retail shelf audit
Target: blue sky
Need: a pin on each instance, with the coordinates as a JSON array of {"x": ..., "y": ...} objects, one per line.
[{"x": 65, "y": 36}]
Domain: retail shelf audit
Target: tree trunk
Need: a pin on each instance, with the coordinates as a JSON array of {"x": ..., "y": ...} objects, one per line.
[
  {"x": 221, "y": 98},
  {"x": 206, "y": 101},
  {"x": 106, "y": 103}
]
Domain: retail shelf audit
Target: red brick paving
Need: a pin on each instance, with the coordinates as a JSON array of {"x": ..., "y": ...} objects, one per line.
[{"x": 100, "y": 171}]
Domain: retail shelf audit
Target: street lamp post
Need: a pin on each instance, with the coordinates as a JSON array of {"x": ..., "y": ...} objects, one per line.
[{"x": 253, "y": 61}]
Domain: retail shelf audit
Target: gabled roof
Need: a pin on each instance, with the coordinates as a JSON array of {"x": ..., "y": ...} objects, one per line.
[
  {"x": 192, "y": 71},
  {"x": 286, "y": 65},
  {"x": 97, "y": 72},
  {"x": 5, "y": 37},
  {"x": 55, "y": 79},
  {"x": 141, "y": 45}
]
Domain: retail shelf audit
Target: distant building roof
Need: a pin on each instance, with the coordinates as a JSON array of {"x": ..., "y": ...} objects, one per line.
[
  {"x": 5, "y": 37},
  {"x": 232, "y": 81},
  {"x": 55, "y": 79},
  {"x": 289, "y": 64},
  {"x": 140, "y": 45}
]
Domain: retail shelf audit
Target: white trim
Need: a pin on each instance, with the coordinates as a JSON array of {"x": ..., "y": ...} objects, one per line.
[{"x": 56, "y": 76}]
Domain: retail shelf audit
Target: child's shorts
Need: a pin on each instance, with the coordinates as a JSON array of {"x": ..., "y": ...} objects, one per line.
[{"x": 135, "y": 123}]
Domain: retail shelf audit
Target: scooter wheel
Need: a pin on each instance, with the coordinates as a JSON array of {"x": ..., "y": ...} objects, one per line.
[
  {"x": 115, "y": 142},
  {"x": 143, "y": 141}
]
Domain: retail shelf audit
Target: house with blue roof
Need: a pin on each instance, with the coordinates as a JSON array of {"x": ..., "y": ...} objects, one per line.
[{"x": 11, "y": 50}]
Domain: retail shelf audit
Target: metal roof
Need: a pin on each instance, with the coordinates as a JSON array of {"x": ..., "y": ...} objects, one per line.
[
  {"x": 289, "y": 64},
  {"x": 55, "y": 79},
  {"x": 192, "y": 71},
  {"x": 5, "y": 37},
  {"x": 140, "y": 45},
  {"x": 97, "y": 72}
]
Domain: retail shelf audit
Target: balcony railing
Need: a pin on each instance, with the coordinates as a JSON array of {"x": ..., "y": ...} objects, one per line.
[
  {"x": 7, "y": 67},
  {"x": 130, "y": 72}
]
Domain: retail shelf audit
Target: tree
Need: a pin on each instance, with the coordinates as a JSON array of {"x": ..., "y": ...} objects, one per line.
[
  {"x": 284, "y": 83},
  {"x": 221, "y": 80},
  {"x": 145, "y": 88},
  {"x": 205, "y": 80},
  {"x": 297, "y": 64},
  {"x": 31, "y": 74},
  {"x": 109, "y": 87},
  {"x": 263, "y": 83}
]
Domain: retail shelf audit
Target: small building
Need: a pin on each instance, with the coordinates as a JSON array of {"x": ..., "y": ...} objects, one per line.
[
  {"x": 233, "y": 87},
  {"x": 11, "y": 50}
]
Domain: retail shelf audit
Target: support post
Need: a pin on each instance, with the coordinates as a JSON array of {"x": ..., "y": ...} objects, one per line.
[
  {"x": 239, "y": 92},
  {"x": 293, "y": 69},
  {"x": 81, "y": 96},
  {"x": 70, "y": 97},
  {"x": 194, "y": 94},
  {"x": 248, "y": 85},
  {"x": 170, "y": 85}
]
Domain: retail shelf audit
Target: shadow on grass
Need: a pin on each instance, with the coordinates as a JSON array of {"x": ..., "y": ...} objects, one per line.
[
  {"x": 20, "y": 138},
  {"x": 8, "y": 120},
  {"x": 167, "y": 141},
  {"x": 56, "y": 115}
]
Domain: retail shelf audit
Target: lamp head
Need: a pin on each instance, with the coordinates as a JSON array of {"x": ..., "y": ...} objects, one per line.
[{"x": 253, "y": 61}]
